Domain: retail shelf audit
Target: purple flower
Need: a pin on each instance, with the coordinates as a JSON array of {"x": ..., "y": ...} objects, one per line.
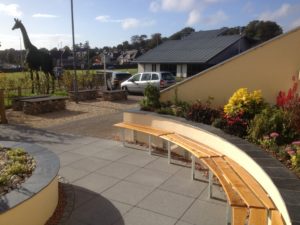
[{"x": 274, "y": 135}]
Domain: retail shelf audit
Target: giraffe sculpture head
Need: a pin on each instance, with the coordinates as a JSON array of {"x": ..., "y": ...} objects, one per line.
[{"x": 17, "y": 25}]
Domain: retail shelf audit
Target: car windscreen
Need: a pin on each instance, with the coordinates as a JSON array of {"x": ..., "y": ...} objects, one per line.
[
  {"x": 167, "y": 76},
  {"x": 122, "y": 76}
]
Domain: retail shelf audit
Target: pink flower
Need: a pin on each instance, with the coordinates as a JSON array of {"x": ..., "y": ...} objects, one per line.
[
  {"x": 289, "y": 148},
  {"x": 291, "y": 152},
  {"x": 274, "y": 135},
  {"x": 296, "y": 143}
]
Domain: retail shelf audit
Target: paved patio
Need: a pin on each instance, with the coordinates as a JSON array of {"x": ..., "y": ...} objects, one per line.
[{"x": 115, "y": 185}]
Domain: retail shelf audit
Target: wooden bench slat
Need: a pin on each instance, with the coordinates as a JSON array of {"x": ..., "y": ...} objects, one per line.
[
  {"x": 258, "y": 216},
  {"x": 144, "y": 129},
  {"x": 233, "y": 198},
  {"x": 177, "y": 141},
  {"x": 238, "y": 184},
  {"x": 252, "y": 183},
  {"x": 189, "y": 145},
  {"x": 276, "y": 218},
  {"x": 239, "y": 215}
]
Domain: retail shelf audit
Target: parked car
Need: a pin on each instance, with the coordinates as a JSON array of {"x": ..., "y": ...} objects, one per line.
[
  {"x": 116, "y": 78},
  {"x": 138, "y": 82}
]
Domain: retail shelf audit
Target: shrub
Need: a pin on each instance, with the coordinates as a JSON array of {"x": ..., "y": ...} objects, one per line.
[
  {"x": 244, "y": 103},
  {"x": 151, "y": 100},
  {"x": 240, "y": 109},
  {"x": 291, "y": 103},
  {"x": 272, "y": 119},
  {"x": 203, "y": 112}
]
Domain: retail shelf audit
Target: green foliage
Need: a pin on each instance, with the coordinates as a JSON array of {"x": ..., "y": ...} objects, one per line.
[
  {"x": 272, "y": 119},
  {"x": 182, "y": 33},
  {"x": 262, "y": 30},
  {"x": 150, "y": 102},
  {"x": 203, "y": 112}
]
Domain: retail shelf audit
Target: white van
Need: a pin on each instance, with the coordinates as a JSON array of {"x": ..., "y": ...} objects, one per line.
[{"x": 138, "y": 82}]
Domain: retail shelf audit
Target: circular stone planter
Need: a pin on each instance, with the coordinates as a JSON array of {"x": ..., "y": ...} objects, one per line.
[{"x": 36, "y": 200}]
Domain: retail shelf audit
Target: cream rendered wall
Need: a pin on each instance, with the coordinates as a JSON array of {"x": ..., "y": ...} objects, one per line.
[
  {"x": 268, "y": 67},
  {"x": 34, "y": 211}
]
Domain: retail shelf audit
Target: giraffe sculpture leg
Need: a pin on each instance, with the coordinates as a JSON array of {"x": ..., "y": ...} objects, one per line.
[
  {"x": 38, "y": 85},
  {"x": 32, "y": 82}
]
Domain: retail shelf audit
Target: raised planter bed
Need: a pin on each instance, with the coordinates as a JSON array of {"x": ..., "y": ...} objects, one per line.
[
  {"x": 17, "y": 103},
  {"x": 114, "y": 95},
  {"x": 44, "y": 105},
  {"x": 35, "y": 201},
  {"x": 84, "y": 95}
]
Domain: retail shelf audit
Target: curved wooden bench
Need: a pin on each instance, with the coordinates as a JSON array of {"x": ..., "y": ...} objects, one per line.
[{"x": 249, "y": 202}]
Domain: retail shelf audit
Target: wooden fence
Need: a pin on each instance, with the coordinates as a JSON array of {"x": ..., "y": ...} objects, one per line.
[{"x": 2, "y": 108}]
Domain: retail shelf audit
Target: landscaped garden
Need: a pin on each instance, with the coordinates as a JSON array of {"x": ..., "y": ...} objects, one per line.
[{"x": 275, "y": 128}]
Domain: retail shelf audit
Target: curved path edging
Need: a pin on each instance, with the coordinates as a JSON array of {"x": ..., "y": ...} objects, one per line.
[
  {"x": 36, "y": 200},
  {"x": 281, "y": 184}
]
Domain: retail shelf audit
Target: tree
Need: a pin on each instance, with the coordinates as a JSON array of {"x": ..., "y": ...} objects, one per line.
[
  {"x": 261, "y": 31},
  {"x": 182, "y": 33},
  {"x": 155, "y": 40}
]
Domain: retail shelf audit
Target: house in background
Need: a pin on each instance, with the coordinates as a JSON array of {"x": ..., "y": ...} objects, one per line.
[
  {"x": 127, "y": 57},
  {"x": 193, "y": 54}
]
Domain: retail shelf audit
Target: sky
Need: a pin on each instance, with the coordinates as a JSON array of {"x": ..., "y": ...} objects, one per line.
[{"x": 111, "y": 22}]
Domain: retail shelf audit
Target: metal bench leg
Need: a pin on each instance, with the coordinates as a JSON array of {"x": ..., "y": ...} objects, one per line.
[
  {"x": 150, "y": 150},
  {"x": 169, "y": 152},
  {"x": 210, "y": 184},
  {"x": 228, "y": 214},
  {"x": 123, "y": 136},
  {"x": 193, "y": 166}
]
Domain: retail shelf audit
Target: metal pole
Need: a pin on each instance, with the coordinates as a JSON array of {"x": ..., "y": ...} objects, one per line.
[{"x": 75, "y": 86}]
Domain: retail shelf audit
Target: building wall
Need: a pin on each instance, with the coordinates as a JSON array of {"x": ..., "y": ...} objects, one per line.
[
  {"x": 268, "y": 67},
  {"x": 141, "y": 68}
]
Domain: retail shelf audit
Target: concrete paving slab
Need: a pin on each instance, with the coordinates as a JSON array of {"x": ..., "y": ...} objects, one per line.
[
  {"x": 139, "y": 216},
  {"x": 166, "y": 203},
  {"x": 183, "y": 223},
  {"x": 118, "y": 170},
  {"x": 152, "y": 178},
  {"x": 100, "y": 211},
  {"x": 67, "y": 158},
  {"x": 111, "y": 154},
  {"x": 72, "y": 174},
  {"x": 89, "y": 164},
  {"x": 96, "y": 182},
  {"x": 205, "y": 212},
  {"x": 138, "y": 158},
  {"x": 127, "y": 192},
  {"x": 82, "y": 195},
  {"x": 181, "y": 183},
  {"x": 161, "y": 164}
]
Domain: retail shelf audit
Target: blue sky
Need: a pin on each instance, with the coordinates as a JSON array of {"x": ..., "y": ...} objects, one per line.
[{"x": 110, "y": 22}]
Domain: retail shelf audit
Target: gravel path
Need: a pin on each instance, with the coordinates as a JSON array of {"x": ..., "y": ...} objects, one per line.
[{"x": 89, "y": 118}]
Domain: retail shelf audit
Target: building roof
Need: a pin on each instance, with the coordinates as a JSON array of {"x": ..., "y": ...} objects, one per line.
[{"x": 199, "y": 47}]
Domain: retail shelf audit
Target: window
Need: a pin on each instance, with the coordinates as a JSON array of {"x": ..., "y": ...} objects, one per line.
[
  {"x": 154, "y": 67},
  {"x": 154, "y": 76},
  {"x": 136, "y": 77},
  {"x": 167, "y": 76},
  {"x": 146, "y": 76}
]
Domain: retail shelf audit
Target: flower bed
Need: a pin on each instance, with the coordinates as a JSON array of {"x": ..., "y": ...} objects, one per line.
[
  {"x": 16, "y": 166},
  {"x": 276, "y": 128}
]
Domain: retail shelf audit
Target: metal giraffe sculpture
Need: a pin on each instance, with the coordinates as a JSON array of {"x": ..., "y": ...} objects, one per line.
[{"x": 36, "y": 60}]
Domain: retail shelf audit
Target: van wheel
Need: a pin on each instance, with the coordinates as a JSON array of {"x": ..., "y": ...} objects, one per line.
[{"x": 125, "y": 89}]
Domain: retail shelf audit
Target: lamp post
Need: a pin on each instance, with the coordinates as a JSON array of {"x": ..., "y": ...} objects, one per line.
[{"x": 75, "y": 86}]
